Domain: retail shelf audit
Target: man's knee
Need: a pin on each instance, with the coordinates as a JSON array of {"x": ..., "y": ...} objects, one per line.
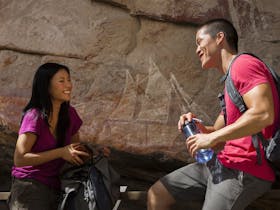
[
  {"x": 158, "y": 196},
  {"x": 156, "y": 190}
]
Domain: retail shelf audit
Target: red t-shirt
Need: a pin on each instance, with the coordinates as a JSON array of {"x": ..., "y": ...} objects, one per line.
[{"x": 247, "y": 72}]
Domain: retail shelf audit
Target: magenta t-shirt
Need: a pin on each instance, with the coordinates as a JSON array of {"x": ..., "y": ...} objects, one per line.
[
  {"x": 247, "y": 72},
  {"x": 47, "y": 173}
]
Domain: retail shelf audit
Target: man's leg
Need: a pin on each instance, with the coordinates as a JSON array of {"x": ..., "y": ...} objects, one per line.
[
  {"x": 185, "y": 185},
  {"x": 159, "y": 197},
  {"x": 235, "y": 191}
]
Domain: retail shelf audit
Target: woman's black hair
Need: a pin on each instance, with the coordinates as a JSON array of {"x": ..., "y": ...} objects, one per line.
[
  {"x": 215, "y": 26},
  {"x": 41, "y": 99}
]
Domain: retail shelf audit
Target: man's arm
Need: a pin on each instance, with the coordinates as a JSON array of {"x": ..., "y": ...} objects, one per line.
[
  {"x": 260, "y": 114},
  {"x": 219, "y": 123}
]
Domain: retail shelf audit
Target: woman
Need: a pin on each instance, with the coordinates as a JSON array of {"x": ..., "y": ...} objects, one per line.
[{"x": 48, "y": 136}]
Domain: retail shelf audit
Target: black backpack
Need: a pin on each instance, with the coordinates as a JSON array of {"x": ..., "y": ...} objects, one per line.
[
  {"x": 91, "y": 186},
  {"x": 271, "y": 146}
]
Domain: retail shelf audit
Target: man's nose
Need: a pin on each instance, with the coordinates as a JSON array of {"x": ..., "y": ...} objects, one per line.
[{"x": 197, "y": 50}]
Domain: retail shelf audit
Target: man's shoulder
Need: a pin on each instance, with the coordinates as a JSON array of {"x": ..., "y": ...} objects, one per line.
[
  {"x": 249, "y": 60},
  {"x": 247, "y": 65}
]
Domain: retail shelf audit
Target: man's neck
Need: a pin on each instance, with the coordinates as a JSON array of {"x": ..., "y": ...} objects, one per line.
[{"x": 226, "y": 58}]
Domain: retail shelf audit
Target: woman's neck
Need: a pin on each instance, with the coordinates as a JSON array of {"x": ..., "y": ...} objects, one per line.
[{"x": 53, "y": 118}]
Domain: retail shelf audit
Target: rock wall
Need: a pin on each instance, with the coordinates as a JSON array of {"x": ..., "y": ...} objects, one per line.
[{"x": 133, "y": 63}]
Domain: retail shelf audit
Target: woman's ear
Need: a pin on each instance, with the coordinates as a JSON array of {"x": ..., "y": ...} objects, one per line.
[{"x": 220, "y": 36}]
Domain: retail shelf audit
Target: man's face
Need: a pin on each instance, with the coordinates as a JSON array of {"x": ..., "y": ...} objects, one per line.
[{"x": 206, "y": 49}]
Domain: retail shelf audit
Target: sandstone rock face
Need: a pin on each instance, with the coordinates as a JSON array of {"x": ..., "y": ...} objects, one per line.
[
  {"x": 133, "y": 63},
  {"x": 133, "y": 67},
  {"x": 176, "y": 11}
]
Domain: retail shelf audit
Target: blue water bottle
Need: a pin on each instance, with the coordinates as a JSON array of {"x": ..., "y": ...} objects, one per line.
[{"x": 202, "y": 155}]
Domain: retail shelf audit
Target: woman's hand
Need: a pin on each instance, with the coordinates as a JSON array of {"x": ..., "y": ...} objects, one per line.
[
  {"x": 105, "y": 151},
  {"x": 102, "y": 150},
  {"x": 75, "y": 153}
]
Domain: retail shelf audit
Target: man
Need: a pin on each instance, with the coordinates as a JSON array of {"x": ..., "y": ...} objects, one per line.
[{"x": 233, "y": 178}]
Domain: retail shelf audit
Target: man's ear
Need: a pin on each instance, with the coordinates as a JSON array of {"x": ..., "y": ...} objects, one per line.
[{"x": 220, "y": 36}]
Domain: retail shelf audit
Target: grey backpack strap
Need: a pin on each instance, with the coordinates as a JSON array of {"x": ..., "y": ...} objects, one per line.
[
  {"x": 232, "y": 92},
  {"x": 221, "y": 97},
  {"x": 237, "y": 99},
  {"x": 255, "y": 140},
  {"x": 234, "y": 95}
]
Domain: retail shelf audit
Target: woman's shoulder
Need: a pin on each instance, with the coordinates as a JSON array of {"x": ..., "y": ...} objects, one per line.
[
  {"x": 32, "y": 121},
  {"x": 75, "y": 119},
  {"x": 33, "y": 114},
  {"x": 73, "y": 112},
  {"x": 72, "y": 109}
]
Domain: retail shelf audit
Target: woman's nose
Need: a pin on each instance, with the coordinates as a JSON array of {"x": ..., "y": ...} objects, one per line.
[{"x": 69, "y": 84}]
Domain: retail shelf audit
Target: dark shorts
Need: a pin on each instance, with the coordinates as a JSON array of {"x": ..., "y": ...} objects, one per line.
[
  {"x": 29, "y": 194},
  {"x": 214, "y": 186}
]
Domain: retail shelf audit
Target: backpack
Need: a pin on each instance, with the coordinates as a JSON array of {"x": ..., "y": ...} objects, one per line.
[
  {"x": 272, "y": 146},
  {"x": 91, "y": 186}
]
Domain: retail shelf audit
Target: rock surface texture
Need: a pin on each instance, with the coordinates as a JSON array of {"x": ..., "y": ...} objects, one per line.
[{"x": 133, "y": 67}]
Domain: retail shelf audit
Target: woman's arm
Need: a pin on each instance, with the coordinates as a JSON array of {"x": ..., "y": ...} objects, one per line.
[
  {"x": 75, "y": 138},
  {"x": 24, "y": 157}
]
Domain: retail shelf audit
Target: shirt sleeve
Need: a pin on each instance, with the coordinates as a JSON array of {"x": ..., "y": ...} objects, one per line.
[
  {"x": 76, "y": 121},
  {"x": 30, "y": 122},
  {"x": 249, "y": 72}
]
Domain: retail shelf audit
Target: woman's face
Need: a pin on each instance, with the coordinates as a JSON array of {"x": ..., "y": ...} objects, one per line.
[{"x": 60, "y": 87}]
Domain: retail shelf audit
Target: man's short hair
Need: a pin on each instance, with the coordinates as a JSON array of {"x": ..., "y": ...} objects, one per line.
[{"x": 215, "y": 26}]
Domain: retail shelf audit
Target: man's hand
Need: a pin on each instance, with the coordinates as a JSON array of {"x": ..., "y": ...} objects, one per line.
[
  {"x": 197, "y": 142},
  {"x": 189, "y": 116}
]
